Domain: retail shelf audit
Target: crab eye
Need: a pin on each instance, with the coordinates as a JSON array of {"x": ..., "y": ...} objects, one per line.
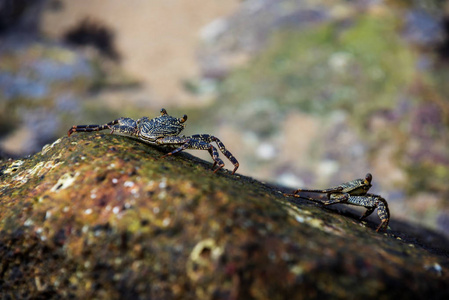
[
  {"x": 368, "y": 177},
  {"x": 183, "y": 119},
  {"x": 163, "y": 112}
]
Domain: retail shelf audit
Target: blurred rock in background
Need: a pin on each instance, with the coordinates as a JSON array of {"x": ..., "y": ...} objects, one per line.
[{"x": 303, "y": 93}]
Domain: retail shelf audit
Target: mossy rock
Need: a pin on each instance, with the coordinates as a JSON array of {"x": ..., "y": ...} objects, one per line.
[{"x": 102, "y": 216}]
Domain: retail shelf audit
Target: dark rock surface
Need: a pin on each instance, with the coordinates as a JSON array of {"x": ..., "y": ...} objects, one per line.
[{"x": 101, "y": 216}]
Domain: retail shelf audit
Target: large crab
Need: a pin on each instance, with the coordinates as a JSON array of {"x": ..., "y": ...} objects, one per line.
[
  {"x": 163, "y": 130},
  {"x": 354, "y": 192}
]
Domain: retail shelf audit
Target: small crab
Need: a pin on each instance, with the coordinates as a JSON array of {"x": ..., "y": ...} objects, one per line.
[
  {"x": 354, "y": 192},
  {"x": 163, "y": 130}
]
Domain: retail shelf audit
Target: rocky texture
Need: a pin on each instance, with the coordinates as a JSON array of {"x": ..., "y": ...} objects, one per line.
[
  {"x": 306, "y": 93},
  {"x": 101, "y": 216}
]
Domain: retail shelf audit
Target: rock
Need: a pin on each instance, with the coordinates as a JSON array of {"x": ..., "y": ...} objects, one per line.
[{"x": 102, "y": 216}]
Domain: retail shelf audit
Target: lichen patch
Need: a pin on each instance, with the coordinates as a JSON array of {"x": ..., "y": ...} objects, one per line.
[
  {"x": 14, "y": 167},
  {"x": 65, "y": 181},
  {"x": 48, "y": 147}
]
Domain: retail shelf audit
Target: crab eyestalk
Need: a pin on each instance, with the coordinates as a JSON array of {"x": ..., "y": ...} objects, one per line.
[{"x": 368, "y": 178}]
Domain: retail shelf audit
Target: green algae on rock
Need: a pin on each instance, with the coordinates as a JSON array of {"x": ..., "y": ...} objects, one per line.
[{"x": 101, "y": 216}]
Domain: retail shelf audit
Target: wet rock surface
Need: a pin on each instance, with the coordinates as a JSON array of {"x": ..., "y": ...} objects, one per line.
[{"x": 102, "y": 216}]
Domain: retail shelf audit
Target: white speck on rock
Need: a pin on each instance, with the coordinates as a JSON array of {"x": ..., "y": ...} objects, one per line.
[
  {"x": 166, "y": 222},
  {"x": 299, "y": 219},
  {"x": 163, "y": 183},
  {"x": 64, "y": 182},
  {"x": 128, "y": 184}
]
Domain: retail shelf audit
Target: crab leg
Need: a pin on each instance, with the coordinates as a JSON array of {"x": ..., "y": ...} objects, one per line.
[
  {"x": 326, "y": 191},
  {"x": 210, "y": 138},
  {"x": 371, "y": 202},
  {"x": 383, "y": 212},
  {"x": 188, "y": 143},
  {"x": 89, "y": 128},
  {"x": 332, "y": 198}
]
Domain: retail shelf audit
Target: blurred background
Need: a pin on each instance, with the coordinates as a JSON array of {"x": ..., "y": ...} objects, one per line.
[{"x": 303, "y": 93}]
